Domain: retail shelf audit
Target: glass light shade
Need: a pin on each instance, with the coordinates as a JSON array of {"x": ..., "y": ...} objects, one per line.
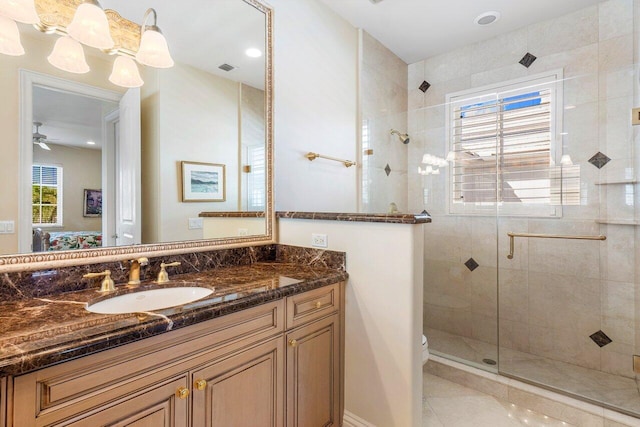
[
  {"x": 125, "y": 73},
  {"x": 154, "y": 51},
  {"x": 20, "y": 10},
  {"x": 91, "y": 27},
  {"x": 68, "y": 55},
  {"x": 451, "y": 156},
  {"x": 565, "y": 160},
  {"x": 10, "y": 37}
]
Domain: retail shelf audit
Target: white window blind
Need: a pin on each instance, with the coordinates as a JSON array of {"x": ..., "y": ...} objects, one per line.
[
  {"x": 46, "y": 192},
  {"x": 256, "y": 179},
  {"x": 504, "y": 140}
]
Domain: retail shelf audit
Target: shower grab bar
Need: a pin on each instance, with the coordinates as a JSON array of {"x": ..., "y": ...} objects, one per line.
[
  {"x": 312, "y": 156},
  {"x": 512, "y": 237}
]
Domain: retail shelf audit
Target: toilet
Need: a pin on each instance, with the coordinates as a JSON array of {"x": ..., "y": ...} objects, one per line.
[{"x": 425, "y": 350}]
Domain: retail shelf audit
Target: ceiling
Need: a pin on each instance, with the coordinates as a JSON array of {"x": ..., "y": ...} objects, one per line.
[
  {"x": 419, "y": 29},
  {"x": 206, "y": 34},
  {"x": 69, "y": 119}
]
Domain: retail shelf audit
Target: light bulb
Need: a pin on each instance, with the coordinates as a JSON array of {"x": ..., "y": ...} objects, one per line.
[
  {"x": 68, "y": 55},
  {"x": 20, "y": 10},
  {"x": 153, "y": 50},
  {"x": 427, "y": 159},
  {"x": 91, "y": 26},
  {"x": 125, "y": 73}
]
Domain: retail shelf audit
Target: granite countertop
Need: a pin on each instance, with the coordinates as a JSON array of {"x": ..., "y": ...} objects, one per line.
[
  {"x": 38, "y": 332},
  {"x": 215, "y": 214},
  {"x": 387, "y": 218}
]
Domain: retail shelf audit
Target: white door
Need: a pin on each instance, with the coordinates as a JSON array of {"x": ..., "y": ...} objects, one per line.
[{"x": 127, "y": 185}]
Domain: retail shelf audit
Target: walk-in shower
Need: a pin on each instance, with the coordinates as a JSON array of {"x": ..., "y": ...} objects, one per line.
[{"x": 531, "y": 261}]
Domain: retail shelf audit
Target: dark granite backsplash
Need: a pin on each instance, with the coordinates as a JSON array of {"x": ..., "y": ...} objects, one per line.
[{"x": 42, "y": 283}]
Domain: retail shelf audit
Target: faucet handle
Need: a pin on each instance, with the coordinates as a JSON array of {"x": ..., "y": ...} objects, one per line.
[
  {"x": 107, "y": 284},
  {"x": 163, "y": 276}
]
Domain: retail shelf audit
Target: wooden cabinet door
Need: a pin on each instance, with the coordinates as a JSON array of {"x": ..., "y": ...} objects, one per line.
[
  {"x": 161, "y": 406},
  {"x": 243, "y": 390},
  {"x": 313, "y": 374}
]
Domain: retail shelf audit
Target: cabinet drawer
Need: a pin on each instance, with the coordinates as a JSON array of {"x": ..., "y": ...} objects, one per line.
[
  {"x": 90, "y": 381},
  {"x": 312, "y": 305}
]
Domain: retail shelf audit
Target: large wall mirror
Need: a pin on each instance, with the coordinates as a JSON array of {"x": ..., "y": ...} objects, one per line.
[{"x": 95, "y": 172}]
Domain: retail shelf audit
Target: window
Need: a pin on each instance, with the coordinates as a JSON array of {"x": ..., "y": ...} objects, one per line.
[
  {"x": 504, "y": 144},
  {"x": 256, "y": 178},
  {"x": 46, "y": 190}
]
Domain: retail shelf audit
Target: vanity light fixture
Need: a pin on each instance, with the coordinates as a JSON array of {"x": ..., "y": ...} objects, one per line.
[
  {"x": 84, "y": 21},
  {"x": 19, "y": 10},
  {"x": 10, "y": 37},
  {"x": 565, "y": 160},
  {"x": 125, "y": 73},
  {"x": 67, "y": 55},
  {"x": 153, "y": 50},
  {"x": 90, "y": 26}
]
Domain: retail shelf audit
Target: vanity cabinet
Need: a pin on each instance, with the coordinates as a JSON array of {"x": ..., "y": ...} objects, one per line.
[{"x": 276, "y": 364}]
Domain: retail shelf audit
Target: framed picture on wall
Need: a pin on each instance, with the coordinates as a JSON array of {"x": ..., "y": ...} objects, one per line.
[
  {"x": 92, "y": 203},
  {"x": 203, "y": 182}
]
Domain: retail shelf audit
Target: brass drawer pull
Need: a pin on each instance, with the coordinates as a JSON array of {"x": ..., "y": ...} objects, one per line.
[
  {"x": 293, "y": 343},
  {"x": 201, "y": 384},
  {"x": 182, "y": 392},
  {"x": 318, "y": 304}
]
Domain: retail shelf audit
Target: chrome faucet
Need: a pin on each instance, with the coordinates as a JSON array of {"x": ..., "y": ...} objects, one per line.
[{"x": 134, "y": 270}]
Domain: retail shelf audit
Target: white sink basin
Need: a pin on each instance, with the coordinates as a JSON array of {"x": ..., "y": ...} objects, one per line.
[{"x": 149, "y": 300}]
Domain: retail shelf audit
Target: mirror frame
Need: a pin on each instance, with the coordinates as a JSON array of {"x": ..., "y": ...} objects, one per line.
[{"x": 39, "y": 261}]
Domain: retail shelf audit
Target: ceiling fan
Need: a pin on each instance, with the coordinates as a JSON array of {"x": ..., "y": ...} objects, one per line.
[{"x": 39, "y": 138}]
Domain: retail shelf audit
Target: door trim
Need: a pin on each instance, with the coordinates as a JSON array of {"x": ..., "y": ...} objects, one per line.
[{"x": 29, "y": 79}]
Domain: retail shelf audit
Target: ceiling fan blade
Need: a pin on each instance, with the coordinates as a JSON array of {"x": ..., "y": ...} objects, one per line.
[{"x": 43, "y": 145}]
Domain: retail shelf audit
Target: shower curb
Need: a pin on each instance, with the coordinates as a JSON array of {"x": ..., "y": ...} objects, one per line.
[{"x": 556, "y": 405}]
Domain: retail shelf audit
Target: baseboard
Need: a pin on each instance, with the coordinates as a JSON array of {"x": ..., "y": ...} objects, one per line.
[{"x": 352, "y": 420}]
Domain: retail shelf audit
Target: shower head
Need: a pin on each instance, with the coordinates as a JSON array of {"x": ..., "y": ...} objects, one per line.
[{"x": 404, "y": 138}]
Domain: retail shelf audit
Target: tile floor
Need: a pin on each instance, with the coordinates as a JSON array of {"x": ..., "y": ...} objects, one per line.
[
  {"x": 617, "y": 391},
  {"x": 447, "y": 404}
]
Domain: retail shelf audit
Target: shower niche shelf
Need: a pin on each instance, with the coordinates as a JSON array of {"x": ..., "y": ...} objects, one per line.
[
  {"x": 614, "y": 221},
  {"x": 618, "y": 182}
]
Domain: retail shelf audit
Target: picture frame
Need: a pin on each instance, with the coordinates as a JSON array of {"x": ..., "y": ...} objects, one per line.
[
  {"x": 203, "y": 182},
  {"x": 92, "y": 203}
]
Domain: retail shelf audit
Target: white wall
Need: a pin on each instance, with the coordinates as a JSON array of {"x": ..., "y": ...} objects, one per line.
[
  {"x": 202, "y": 127},
  {"x": 383, "y": 325},
  {"x": 315, "y": 71}
]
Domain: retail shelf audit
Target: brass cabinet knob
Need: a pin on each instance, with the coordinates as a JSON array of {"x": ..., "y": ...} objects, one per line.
[
  {"x": 293, "y": 343},
  {"x": 182, "y": 392},
  {"x": 201, "y": 384},
  {"x": 318, "y": 304}
]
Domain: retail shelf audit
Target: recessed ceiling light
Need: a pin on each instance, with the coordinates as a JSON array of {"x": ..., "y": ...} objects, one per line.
[
  {"x": 487, "y": 18},
  {"x": 253, "y": 52},
  {"x": 91, "y": 143}
]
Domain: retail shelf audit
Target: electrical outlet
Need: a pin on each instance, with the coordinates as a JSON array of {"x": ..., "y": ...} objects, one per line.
[
  {"x": 319, "y": 240},
  {"x": 195, "y": 223},
  {"x": 243, "y": 232}
]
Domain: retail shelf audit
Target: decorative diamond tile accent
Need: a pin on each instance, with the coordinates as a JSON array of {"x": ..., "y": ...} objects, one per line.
[
  {"x": 599, "y": 160},
  {"x": 387, "y": 169},
  {"x": 600, "y": 338},
  {"x": 528, "y": 59},
  {"x": 424, "y": 86},
  {"x": 471, "y": 264}
]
